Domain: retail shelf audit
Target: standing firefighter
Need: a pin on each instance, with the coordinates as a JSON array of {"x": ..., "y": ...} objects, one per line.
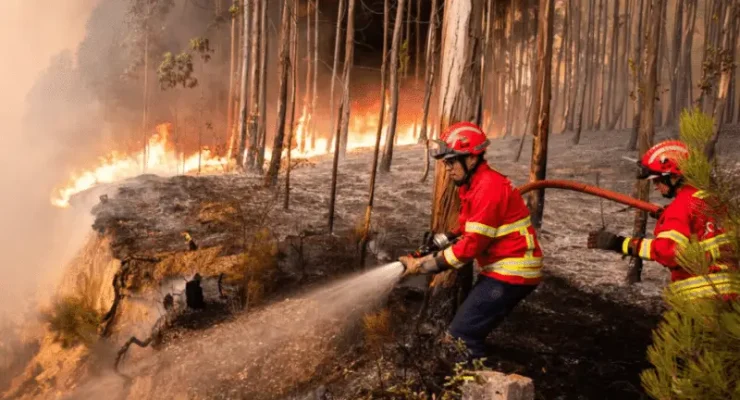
[
  {"x": 494, "y": 230},
  {"x": 687, "y": 216}
]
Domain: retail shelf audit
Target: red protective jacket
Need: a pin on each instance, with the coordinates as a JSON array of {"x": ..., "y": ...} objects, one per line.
[
  {"x": 496, "y": 231},
  {"x": 684, "y": 218}
]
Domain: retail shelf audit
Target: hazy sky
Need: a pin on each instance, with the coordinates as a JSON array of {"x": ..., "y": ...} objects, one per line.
[{"x": 30, "y": 234}]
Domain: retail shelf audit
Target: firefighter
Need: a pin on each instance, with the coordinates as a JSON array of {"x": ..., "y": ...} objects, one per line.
[
  {"x": 494, "y": 230},
  {"x": 686, "y": 216}
]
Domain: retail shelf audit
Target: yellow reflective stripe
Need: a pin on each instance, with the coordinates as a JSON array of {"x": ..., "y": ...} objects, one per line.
[
  {"x": 701, "y": 194},
  {"x": 526, "y": 267},
  {"x": 530, "y": 242},
  {"x": 451, "y": 258},
  {"x": 481, "y": 229},
  {"x": 504, "y": 230},
  {"x": 678, "y": 237},
  {"x": 645, "y": 249},
  {"x": 707, "y": 285},
  {"x": 626, "y": 246}
]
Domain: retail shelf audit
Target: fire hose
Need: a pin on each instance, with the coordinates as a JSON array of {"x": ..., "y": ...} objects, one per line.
[{"x": 440, "y": 241}]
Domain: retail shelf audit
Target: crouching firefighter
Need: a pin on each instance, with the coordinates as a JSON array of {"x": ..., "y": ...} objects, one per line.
[
  {"x": 494, "y": 230},
  {"x": 686, "y": 216}
]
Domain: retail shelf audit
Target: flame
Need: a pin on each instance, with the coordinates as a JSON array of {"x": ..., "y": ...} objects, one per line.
[{"x": 163, "y": 159}]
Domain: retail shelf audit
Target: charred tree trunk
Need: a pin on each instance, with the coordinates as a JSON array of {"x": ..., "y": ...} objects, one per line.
[
  {"x": 307, "y": 112},
  {"x": 683, "y": 97},
  {"x": 619, "y": 64},
  {"x": 459, "y": 92},
  {"x": 541, "y": 103},
  {"x": 348, "y": 58},
  {"x": 417, "y": 56},
  {"x": 312, "y": 131},
  {"x": 243, "y": 104},
  {"x": 611, "y": 95},
  {"x": 260, "y": 161},
  {"x": 337, "y": 41},
  {"x": 512, "y": 73},
  {"x": 230, "y": 110},
  {"x": 254, "y": 86},
  {"x": 292, "y": 102},
  {"x": 726, "y": 57},
  {"x": 431, "y": 62},
  {"x": 378, "y": 133},
  {"x": 271, "y": 177},
  {"x": 385, "y": 163},
  {"x": 636, "y": 67},
  {"x": 602, "y": 69},
  {"x": 678, "y": 28},
  {"x": 343, "y": 109},
  {"x": 647, "y": 127},
  {"x": 587, "y": 63},
  {"x": 577, "y": 78}
]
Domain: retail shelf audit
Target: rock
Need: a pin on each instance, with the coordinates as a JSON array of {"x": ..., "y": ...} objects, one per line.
[{"x": 492, "y": 385}]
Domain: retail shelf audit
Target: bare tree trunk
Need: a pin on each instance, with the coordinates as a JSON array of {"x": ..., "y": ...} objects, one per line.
[
  {"x": 577, "y": 77},
  {"x": 726, "y": 66},
  {"x": 512, "y": 73},
  {"x": 647, "y": 127},
  {"x": 611, "y": 96},
  {"x": 277, "y": 147},
  {"x": 431, "y": 62},
  {"x": 417, "y": 58},
  {"x": 342, "y": 128},
  {"x": 602, "y": 67},
  {"x": 541, "y": 103},
  {"x": 378, "y": 133},
  {"x": 636, "y": 67},
  {"x": 618, "y": 62},
  {"x": 587, "y": 63},
  {"x": 145, "y": 116},
  {"x": 459, "y": 91},
  {"x": 244, "y": 105},
  {"x": 260, "y": 162},
  {"x": 337, "y": 41},
  {"x": 230, "y": 110},
  {"x": 348, "y": 58},
  {"x": 556, "y": 97},
  {"x": 676, "y": 47},
  {"x": 683, "y": 97},
  {"x": 254, "y": 86},
  {"x": 385, "y": 163},
  {"x": 312, "y": 131},
  {"x": 292, "y": 101},
  {"x": 307, "y": 112}
]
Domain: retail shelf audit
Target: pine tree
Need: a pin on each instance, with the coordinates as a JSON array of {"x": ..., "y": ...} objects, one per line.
[{"x": 695, "y": 348}]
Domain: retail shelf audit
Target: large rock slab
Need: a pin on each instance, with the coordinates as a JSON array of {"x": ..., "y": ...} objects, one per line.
[{"x": 492, "y": 385}]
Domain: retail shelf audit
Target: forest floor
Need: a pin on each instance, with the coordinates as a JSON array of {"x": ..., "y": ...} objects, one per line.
[{"x": 583, "y": 334}]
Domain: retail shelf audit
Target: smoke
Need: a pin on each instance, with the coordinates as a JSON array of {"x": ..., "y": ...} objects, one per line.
[{"x": 35, "y": 238}]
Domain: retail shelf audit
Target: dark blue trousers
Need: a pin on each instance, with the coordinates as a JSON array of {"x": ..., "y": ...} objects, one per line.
[{"x": 488, "y": 303}]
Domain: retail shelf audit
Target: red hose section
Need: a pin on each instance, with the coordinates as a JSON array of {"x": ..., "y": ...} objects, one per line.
[{"x": 597, "y": 191}]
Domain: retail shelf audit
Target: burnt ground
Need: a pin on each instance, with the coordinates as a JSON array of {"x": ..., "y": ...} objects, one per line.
[{"x": 582, "y": 334}]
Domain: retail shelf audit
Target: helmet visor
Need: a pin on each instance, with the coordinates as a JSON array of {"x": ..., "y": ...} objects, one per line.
[
  {"x": 443, "y": 150},
  {"x": 646, "y": 173}
]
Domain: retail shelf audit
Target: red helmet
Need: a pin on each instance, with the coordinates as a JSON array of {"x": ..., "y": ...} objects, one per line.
[
  {"x": 462, "y": 138},
  {"x": 663, "y": 159}
]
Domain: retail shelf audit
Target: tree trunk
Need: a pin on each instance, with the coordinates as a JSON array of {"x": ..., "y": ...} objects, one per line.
[
  {"x": 385, "y": 163},
  {"x": 431, "y": 62},
  {"x": 611, "y": 95},
  {"x": 459, "y": 92},
  {"x": 541, "y": 103},
  {"x": 244, "y": 105},
  {"x": 577, "y": 77},
  {"x": 586, "y": 62},
  {"x": 307, "y": 112},
  {"x": 417, "y": 57},
  {"x": 230, "y": 110},
  {"x": 378, "y": 133},
  {"x": 337, "y": 41},
  {"x": 675, "y": 59},
  {"x": 254, "y": 86},
  {"x": 277, "y": 147},
  {"x": 726, "y": 58},
  {"x": 512, "y": 73},
  {"x": 145, "y": 111},
  {"x": 556, "y": 97},
  {"x": 683, "y": 97},
  {"x": 636, "y": 67},
  {"x": 264, "y": 36},
  {"x": 292, "y": 102},
  {"x": 312, "y": 131},
  {"x": 647, "y": 127},
  {"x": 602, "y": 67},
  {"x": 348, "y": 57},
  {"x": 343, "y": 126}
]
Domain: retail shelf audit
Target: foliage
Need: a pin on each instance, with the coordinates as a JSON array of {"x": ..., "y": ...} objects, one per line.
[
  {"x": 404, "y": 58},
  {"x": 695, "y": 348},
  {"x": 235, "y": 9},
  {"x": 73, "y": 320},
  {"x": 178, "y": 70},
  {"x": 258, "y": 263}
]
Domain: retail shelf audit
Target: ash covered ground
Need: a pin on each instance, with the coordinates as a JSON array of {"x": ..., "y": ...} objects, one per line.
[{"x": 582, "y": 334}]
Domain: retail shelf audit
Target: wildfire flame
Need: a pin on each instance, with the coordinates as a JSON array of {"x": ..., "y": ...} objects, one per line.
[{"x": 163, "y": 159}]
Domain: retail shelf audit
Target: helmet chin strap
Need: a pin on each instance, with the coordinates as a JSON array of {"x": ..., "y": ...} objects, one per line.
[
  {"x": 468, "y": 172},
  {"x": 672, "y": 187}
]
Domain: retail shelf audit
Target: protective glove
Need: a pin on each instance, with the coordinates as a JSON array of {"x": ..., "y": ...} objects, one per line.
[
  {"x": 604, "y": 240},
  {"x": 419, "y": 265}
]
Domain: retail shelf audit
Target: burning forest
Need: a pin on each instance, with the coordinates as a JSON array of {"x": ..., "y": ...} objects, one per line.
[{"x": 343, "y": 199}]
